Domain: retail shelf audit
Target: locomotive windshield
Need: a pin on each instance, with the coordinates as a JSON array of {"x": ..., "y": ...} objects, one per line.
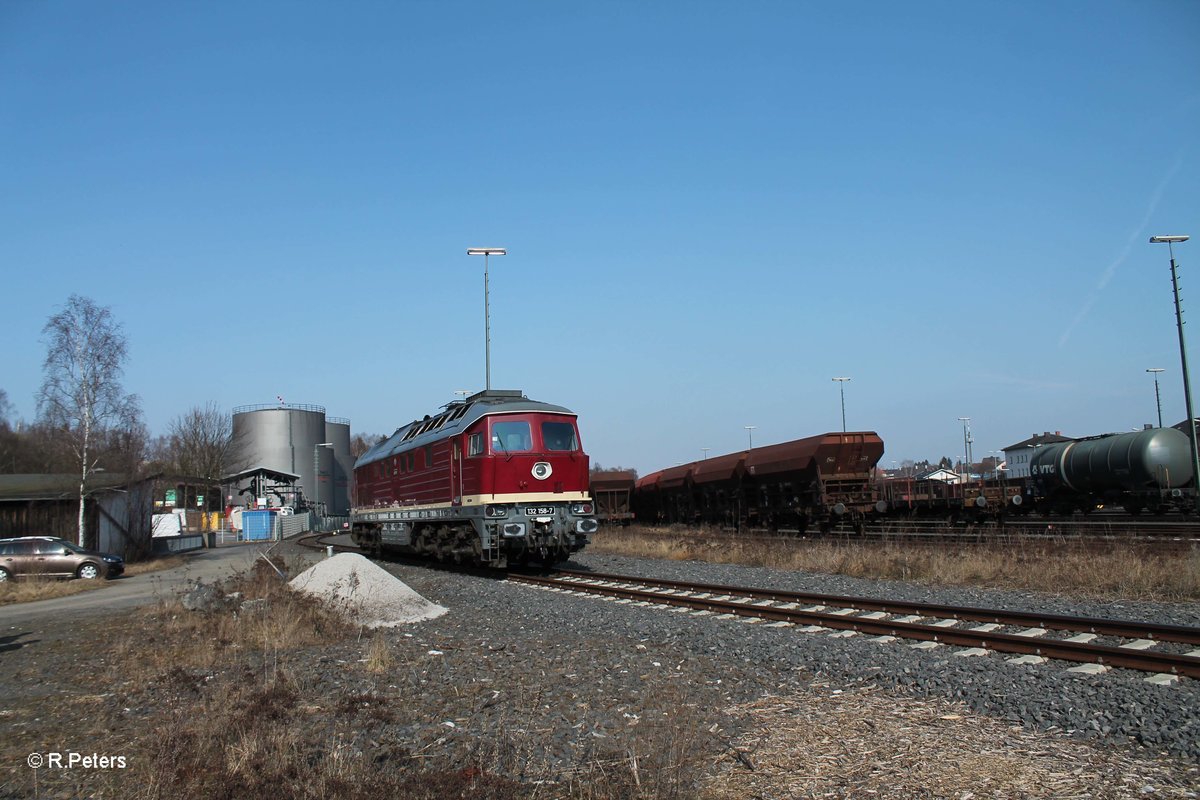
[
  {"x": 559, "y": 436},
  {"x": 511, "y": 437}
]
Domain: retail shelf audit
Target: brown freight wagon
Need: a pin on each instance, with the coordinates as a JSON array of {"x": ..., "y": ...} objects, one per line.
[{"x": 612, "y": 494}]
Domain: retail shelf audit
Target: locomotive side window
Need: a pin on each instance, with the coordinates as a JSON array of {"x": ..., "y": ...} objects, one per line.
[
  {"x": 475, "y": 444},
  {"x": 511, "y": 437},
  {"x": 559, "y": 436}
]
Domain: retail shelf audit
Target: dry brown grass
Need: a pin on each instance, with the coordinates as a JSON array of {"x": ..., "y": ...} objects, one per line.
[
  {"x": 829, "y": 743},
  {"x": 1102, "y": 571},
  {"x": 254, "y": 741},
  {"x": 27, "y": 590},
  {"x": 242, "y": 723},
  {"x": 154, "y": 565},
  {"x": 277, "y": 619},
  {"x": 379, "y": 656}
]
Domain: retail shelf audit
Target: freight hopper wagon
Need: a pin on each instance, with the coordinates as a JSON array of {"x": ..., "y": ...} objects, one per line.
[
  {"x": 612, "y": 493},
  {"x": 821, "y": 481},
  {"x": 494, "y": 479}
]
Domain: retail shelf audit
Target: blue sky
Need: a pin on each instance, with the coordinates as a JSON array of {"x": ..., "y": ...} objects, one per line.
[{"x": 711, "y": 209}]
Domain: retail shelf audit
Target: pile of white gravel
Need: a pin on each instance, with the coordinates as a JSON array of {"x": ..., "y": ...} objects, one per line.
[{"x": 364, "y": 592}]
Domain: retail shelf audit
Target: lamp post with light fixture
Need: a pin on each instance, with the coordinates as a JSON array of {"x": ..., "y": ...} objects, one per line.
[
  {"x": 750, "y": 433},
  {"x": 1157, "y": 397},
  {"x": 1171, "y": 241},
  {"x": 841, "y": 382},
  {"x": 487, "y": 319}
]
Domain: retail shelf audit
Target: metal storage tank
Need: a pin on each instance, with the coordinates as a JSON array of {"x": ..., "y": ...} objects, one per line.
[
  {"x": 284, "y": 437},
  {"x": 323, "y": 468},
  {"x": 337, "y": 431}
]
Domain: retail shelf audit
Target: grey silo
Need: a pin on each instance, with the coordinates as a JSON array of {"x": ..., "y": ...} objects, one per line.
[
  {"x": 337, "y": 431},
  {"x": 282, "y": 437}
]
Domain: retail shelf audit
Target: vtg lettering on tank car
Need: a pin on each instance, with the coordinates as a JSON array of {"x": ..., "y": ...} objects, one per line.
[{"x": 494, "y": 479}]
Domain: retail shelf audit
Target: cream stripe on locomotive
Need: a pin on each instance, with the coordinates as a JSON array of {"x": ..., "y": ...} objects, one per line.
[
  {"x": 436, "y": 510},
  {"x": 526, "y": 497}
]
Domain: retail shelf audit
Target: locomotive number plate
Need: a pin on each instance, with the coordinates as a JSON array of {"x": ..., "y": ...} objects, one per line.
[{"x": 538, "y": 511}]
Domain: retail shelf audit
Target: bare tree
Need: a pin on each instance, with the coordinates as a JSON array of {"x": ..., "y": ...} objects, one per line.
[
  {"x": 362, "y": 442},
  {"x": 200, "y": 442},
  {"x": 6, "y": 410},
  {"x": 81, "y": 392}
]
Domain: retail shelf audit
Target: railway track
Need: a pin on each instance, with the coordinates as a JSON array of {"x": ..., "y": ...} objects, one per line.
[{"x": 1169, "y": 651}]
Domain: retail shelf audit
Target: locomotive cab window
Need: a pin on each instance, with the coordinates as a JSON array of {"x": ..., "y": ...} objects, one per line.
[
  {"x": 511, "y": 437},
  {"x": 475, "y": 444},
  {"x": 559, "y": 436}
]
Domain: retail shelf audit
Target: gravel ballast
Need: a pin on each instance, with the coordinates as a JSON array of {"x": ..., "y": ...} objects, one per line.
[{"x": 631, "y": 652}]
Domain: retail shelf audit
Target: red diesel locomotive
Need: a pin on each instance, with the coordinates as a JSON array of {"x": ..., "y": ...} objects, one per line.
[{"x": 494, "y": 479}]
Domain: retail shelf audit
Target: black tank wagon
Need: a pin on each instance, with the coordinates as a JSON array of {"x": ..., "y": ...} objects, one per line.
[{"x": 1141, "y": 470}]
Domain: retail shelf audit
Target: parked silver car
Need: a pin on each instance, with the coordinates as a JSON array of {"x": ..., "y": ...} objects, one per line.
[{"x": 52, "y": 557}]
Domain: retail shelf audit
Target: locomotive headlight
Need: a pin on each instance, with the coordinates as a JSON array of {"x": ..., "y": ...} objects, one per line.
[
  {"x": 581, "y": 508},
  {"x": 542, "y": 470},
  {"x": 495, "y": 511}
]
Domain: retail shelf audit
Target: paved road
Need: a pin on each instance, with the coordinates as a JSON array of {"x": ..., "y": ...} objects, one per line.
[{"x": 136, "y": 590}]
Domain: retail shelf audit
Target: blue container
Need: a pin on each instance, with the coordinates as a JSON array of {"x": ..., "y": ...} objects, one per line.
[{"x": 258, "y": 526}]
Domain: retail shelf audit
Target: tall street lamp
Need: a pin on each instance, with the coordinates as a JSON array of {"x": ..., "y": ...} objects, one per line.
[
  {"x": 1157, "y": 397},
  {"x": 1187, "y": 387},
  {"x": 841, "y": 382},
  {"x": 750, "y": 433},
  {"x": 705, "y": 451},
  {"x": 487, "y": 319}
]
